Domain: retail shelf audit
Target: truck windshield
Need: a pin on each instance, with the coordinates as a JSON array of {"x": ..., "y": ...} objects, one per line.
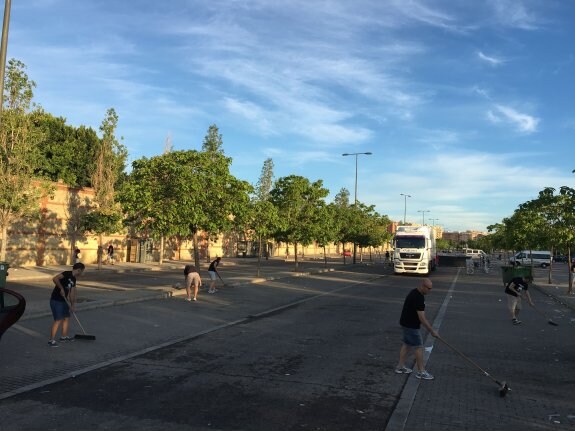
[{"x": 410, "y": 242}]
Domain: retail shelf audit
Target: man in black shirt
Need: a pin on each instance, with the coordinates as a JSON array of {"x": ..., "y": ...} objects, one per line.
[
  {"x": 514, "y": 290},
  {"x": 412, "y": 317},
  {"x": 62, "y": 301}
]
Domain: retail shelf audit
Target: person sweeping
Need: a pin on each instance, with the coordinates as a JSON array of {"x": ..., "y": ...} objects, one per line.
[
  {"x": 62, "y": 301},
  {"x": 514, "y": 290},
  {"x": 213, "y": 272}
]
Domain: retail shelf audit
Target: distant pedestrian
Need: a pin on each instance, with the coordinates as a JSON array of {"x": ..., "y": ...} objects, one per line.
[
  {"x": 387, "y": 255},
  {"x": 193, "y": 280},
  {"x": 213, "y": 272},
  {"x": 412, "y": 317},
  {"x": 62, "y": 301},
  {"x": 77, "y": 255},
  {"x": 110, "y": 254},
  {"x": 514, "y": 290}
]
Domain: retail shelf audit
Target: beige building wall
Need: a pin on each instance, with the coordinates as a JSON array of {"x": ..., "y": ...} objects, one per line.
[{"x": 50, "y": 237}]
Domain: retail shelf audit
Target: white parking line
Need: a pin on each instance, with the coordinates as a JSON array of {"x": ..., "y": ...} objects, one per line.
[{"x": 400, "y": 414}]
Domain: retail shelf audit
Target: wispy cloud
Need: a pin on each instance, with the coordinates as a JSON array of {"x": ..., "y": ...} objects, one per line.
[
  {"x": 493, "y": 61},
  {"x": 504, "y": 114},
  {"x": 459, "y": 187},
  {"x": 515, "y": 14},
  {"x": 438, "y": 139},
  {"x": 420, "y": 12}
]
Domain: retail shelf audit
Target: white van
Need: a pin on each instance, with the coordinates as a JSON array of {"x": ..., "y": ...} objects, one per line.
[
  {"x": 540, "y": 258},
  {"x": 474, "y": 254}
]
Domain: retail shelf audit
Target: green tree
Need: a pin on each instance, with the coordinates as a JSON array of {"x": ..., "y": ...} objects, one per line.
[
  {"x": 344, "y": 219},
  {"x": 558, "y": 221},
  {"x": 298, "y": 202},
  {"x": 264, "y": 219},
  {"x": 369, "y": 229},
  {"x": 213, "y": 142},
  {"x": 110, "y": 158},
  {"x": 327, "y": 227},
  {"x": 19, "y": 195},
  {"x": 183, "y": 192},
  {"x": 265, "y": 181},
  {"x": 64, "y": 153}
]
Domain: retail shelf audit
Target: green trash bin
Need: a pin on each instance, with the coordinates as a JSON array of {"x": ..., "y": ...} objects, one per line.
[{"x": 508, "y": 273}]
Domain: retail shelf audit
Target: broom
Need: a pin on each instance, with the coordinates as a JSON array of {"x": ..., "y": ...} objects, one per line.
[{"x": 83, "y": 336}]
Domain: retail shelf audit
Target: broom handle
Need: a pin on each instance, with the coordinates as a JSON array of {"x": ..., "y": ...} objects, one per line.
[
  {"x": 78, "y": 320},
  {"x": 467, "y": 359}
]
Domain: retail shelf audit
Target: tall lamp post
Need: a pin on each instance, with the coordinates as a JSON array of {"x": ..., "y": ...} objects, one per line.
[
  {"x": 404, "y": 205},
  {"x": 3, "y": 47},
  {"x": 433, "y": 220},
  {"x": 355, "y": 194},
  {"x": 423, "y": 214}
]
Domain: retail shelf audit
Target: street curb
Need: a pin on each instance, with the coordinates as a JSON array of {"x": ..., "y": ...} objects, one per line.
[
  {"x": 555, "y": 298},
  {"x": 49, "y": 275}
]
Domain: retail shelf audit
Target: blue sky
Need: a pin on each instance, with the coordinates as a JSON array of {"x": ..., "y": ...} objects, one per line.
[{"x": 466, "y": 106}]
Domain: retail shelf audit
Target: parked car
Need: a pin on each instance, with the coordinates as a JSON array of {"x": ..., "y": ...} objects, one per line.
[
  {"x": 346, "y": 253},
  {"x": 560, "y": 259}
]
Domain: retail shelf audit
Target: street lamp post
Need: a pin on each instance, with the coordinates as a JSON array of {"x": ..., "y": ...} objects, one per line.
[
  {"x": 423, "y": 214},
  {"x": 433, "y": 220},
  {"x": 355, "y": 194},
  {"x": 404, "y": 205},
  {"x": 3, "y": 47}
]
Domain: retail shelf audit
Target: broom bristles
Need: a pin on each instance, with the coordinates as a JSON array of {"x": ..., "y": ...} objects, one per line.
[{"x": 84, "y": 337}]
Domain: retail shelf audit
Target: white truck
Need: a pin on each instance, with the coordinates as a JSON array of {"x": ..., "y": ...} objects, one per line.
[{"x": 414, "y": 250}]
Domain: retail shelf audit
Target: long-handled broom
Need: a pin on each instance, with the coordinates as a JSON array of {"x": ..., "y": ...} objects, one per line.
[
  {"x": 83, "y": 336},
  {"x": 503, "y": 386}
]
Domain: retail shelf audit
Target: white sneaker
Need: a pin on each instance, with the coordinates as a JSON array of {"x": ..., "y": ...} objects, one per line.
[
  {"x": 403, "y": 370},
  {"x": 424, "y": 375}
]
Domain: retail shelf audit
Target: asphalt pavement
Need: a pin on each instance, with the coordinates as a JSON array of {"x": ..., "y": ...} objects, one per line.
[{"x": 457, "y": 400}]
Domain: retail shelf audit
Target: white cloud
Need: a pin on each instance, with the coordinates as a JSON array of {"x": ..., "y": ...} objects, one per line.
[
  {"x": 257, "y": 116},
  {"x": 464, "y": 190},
  {"x": 420, "y": 12},
  {"x": 504, "y": 114},
  {"x": 439, "y": 138},
  {"x": 514, "y": 13},
  {"x": 490, "y": 59}
]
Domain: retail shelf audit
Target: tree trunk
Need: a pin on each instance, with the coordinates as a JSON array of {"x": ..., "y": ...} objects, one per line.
[
  {"x": 571, "y": 267},
  {"x": 100, "y": 251},
  {"x": 259, "y": 255},
  {"x": 4, "y": 241},
  {"x": 196, "y": 251},
  {"x": 550, "y": 269},
  {"x": 161, "y": 249},
  {"x": 295, "y": 255}
]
